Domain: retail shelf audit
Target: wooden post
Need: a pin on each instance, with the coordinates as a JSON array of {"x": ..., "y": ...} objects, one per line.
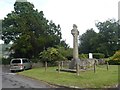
[
  {"x": 45, "y": 66},
  {"x": 107, "y": 65},
  {"x": 62, "y": 65},
  {"x": 77, "y": 69},
  {"x": 94, "y": 67},
  {"x": 58, "y": 67}
]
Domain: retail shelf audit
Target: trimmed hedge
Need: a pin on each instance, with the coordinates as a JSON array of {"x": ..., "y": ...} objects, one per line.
[
  {"x": 98, "y": 55},
  {"x": 95, "y": 55},
  {"x": 114, "y": 62}
]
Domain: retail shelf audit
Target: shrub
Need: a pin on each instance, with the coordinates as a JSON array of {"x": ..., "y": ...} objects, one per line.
[
  {"x": 66, "y": 52},
  {"x": 51, "y": 55},
  {"x": 116, "y": 56},
  {"x": 6, "y": 61},
  {"x": 83, "y": 56},
  {"x": 114, "y": 62},
  {"x": 115, "y": 59},
  {"x": 98, "y": 55}
]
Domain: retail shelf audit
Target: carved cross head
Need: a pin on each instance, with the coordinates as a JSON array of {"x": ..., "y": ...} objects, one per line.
[{"x": 74, "y": 26}]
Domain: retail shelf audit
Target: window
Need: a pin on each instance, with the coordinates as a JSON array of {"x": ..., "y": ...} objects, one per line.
[
  {"x": 25, "y": 61},
  {"x": 16, "y": 61}
]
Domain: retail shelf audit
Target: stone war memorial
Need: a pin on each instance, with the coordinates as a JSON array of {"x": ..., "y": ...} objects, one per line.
[
  {"x": 75, "y": 59},
  {"x": 77, "y": 64}
]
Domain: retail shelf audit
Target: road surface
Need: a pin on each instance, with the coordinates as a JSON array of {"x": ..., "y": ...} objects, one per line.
[{"x": 13, "y": 80}]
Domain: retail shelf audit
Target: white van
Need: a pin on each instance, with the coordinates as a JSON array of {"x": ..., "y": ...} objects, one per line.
[{"x": 18, "y": 64}]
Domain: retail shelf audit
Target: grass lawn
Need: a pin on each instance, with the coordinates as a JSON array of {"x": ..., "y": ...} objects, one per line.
[{"x": 88, "y": 79}]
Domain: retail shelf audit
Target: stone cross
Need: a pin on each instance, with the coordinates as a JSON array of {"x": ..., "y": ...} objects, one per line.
[{"x": 75, "y": 34}]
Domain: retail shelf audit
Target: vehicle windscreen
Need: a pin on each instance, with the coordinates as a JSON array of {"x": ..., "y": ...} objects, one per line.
[{"x": 16, "y": 61}]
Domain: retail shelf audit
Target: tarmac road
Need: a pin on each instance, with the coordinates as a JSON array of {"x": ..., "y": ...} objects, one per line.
[{"x": 13, "y": 80}]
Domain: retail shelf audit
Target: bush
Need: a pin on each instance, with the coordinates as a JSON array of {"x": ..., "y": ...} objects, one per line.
[
  {"x": 114, "y": 62},
  {"x": 115, "y": 59},
  {"x": 116, "y": 56},
  {"x": 6, "y": 61},
  {"x": 83, "y": 56},
  {"x": 66, "y": 52},
  {"x": 95, "y": 55},
  {"x": 51, "y": 55},
  {"x": 98, "y": 55}
]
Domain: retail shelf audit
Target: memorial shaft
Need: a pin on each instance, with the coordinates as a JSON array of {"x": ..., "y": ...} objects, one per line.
[{"x": 75, "y": 34}]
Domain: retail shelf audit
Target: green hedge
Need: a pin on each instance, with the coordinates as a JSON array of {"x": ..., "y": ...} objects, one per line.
[
  {"x": 95, "y": 55},
  {"x": 114, "y": 62},
  {"x": 98, "y": 55}
]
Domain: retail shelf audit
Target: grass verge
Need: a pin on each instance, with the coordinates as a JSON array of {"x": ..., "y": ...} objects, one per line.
[{"x": 88, "y": 79}]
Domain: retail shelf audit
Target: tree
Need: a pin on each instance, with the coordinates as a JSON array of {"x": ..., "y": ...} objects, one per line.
[
  {"x": 66, "y": 52},
  {"x": 108, "y": 37},
  {"x": 88, "y": 42},
  {"x": 63, "y": 44},
  {"x": 29, "y": 31},
  {"x": 107, "y": 41}
]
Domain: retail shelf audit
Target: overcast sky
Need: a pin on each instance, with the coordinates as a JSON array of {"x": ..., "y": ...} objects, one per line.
[{"x": 83, "y": 13}]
